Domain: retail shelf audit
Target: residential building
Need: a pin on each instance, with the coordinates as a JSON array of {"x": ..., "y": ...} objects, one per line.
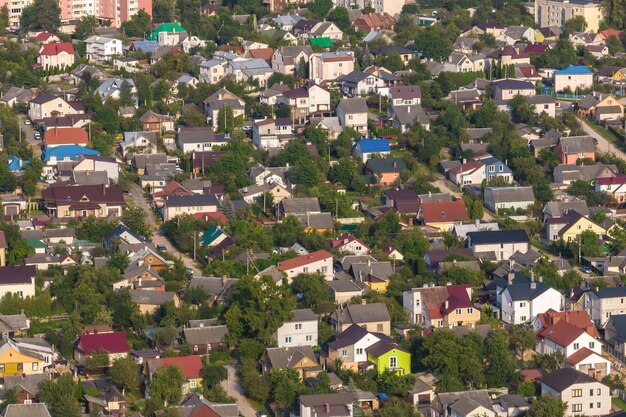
[
  {"x": 472, "y": 403},
  {"x": 583, "y": 394},
  {"x": 328, "y": 66},
  {"x": 509, "y": 88},
  {"x": 48, "y": 105},
  {"x": 469, "y": 173},
  {"x": 319, "y": 261},
  {"x": 301, "y": 359},
  {"x": 56, "y": 55},
  {"x": 572, "y": 148},
  {"x": 196, "y": 139},
  {"x": 154, "y": 122},
  {"x": 368, "y": 148},
  {"x": 81, "y": 201},
  {"x": 341, "y": 404},
  {"x": 101, "y": 49},
  {"x": 300, "y": 330},
  {"x": 614, "y": 186},
  {"x": 441, "y": 307},
  {"x": 359, "y": 83},
  {"x": 190, "y": 366},
  {"x": 16, "y": 359},
  {"x": 287, "y": 59},
  {"x": 443, "y": 215},
  {"x": 18, "y": 280},
  {"x": 573, "y": 78},
  {"x": 150, "y": 301},
  {"x": 512, "y": 198},
  {"x": 569, "y": 227},
  {"x": 389, "y": 356},
  {"x": 404, "y": 117},
  {"x": 300, "y": 206},
  {"x": 373, "y": 317},
  {"x": 557, "y": 12},
  {"x": 350, "y": 346},
  {"x": 205, "y": 339},
  {"x": 602, "y": 303},
  {"x": 566, "y": 173},
  {"x": 111, "y": 88},
  {"x": 458, "y": 62},
  {"x": 349, "y": 244},
  {"x": 27, "y": 409},
  {"x": 143, "y": 142},
  {"x": 305, "y": 101},
  {"x": 503, "y": 243},
  {"x": 373, "y": 22},
  {"x": 272, "y": 133},
  {"x": 217, "y": 101},
  {"x": 114, "y": 343},
  {"x": 342, "y": 291},
  {"x": 188, "y": 204},
  {"x": 384, "y": 171},
  {"x": 615, "y": 335},
  {"x": 521, "y": 298},
  {"x": 352, "y": 112}
]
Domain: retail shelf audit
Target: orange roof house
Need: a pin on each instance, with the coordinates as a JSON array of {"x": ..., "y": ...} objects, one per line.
[
  {"x": 443, "y": 215},
  {"x": 320, "y": 261},
  {"x": 65, "y": 136}
]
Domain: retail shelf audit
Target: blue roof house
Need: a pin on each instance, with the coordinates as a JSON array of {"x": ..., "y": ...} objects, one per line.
[
  {"x": 213, "y": 237},
  {"x": 52, "y": 156},
  {"x": 574, "y": 77},
  {"x": 367, "y": 148},
  {"x": 16, "y": 163}
]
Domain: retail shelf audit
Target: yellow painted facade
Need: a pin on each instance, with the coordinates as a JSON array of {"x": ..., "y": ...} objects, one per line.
[
  {"x": 580, "y": 226},
  {"x": 380, "y": 286},
  {"x": 12, "y": 362}
]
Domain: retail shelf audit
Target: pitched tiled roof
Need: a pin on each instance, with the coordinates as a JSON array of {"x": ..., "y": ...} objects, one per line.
[
  {"x": 114, "y": 342},
  {"x": 57, "y": 48},
  {"x": 190, "y": 366},
  {"x": 566, "y": 377},
  {"x": 299, "y": 261},
  {"x": 444, "y": 211},
  {"x": 17, "y": 274},
  {"x": 561, "y": 333},
  {"x": 66, "y": 136}
]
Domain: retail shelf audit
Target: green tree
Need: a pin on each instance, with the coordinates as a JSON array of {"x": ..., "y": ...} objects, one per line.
[
  {"x": 18, "y": 248},
  {"x": 614, "y": 381},
  {"x": 8, "y": 181},
  {"x": 60, "y": 396},
  {"x": 225, "y": 120},
  {"x": 393, "y": 384},
  {"x": 97, "y": 360},
  {"x": 286, "y": 387},
  {"x": 432, "y": 45},
  {"x": 193, "y": 117},
  {"x": 166, "y": 385},
  {"x": 307, "y": 173},
  {"x": 313, "y": 292},
  {"x": 575, "y": 24},
  {"x": 527, "y": 389},
  {"x": 614, "y": 44},
  {"x": 501, "y": 362},
  {"x": 521, "y": 338},
  {"x": 320, "y": 8},
  {"x": 339, "y": 16},
  {"x": 126, "y": 94},
  {"x": 615, "y": 13},
  {"x": 343, "y": 171},
  {"x": 108, "y": 118},
  {"x": 398, "y": 408},
  {"x": 547, "y": 406},
  {"x": 4, "y": 22},
  {"x": 41, "y": 15},
  {"x": 125, "y": 374},
  {"x": 477, "y": 210},
  {"x": 213, "y": 375},
  {"x": 85, "y": 27},
  {"x": 140, "y": 25},
  {"x": 135, "y": 219},
  {"x": 522, "y": 111}
]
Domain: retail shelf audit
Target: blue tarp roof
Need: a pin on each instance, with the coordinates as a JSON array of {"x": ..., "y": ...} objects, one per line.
[
  {"x": 574, "y": 70},
  {"x": 373, "y": 145},
  {"x": 14, "y": 163},
  {"x": 67, "y": 151}
]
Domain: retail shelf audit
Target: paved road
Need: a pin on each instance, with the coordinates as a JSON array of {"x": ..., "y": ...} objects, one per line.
[
  {"x": 158, "y": 238},
  {"x": 233, "y": 388},
  {"x": 603, "y": 144},
  {"x": 27, "y": 131}
]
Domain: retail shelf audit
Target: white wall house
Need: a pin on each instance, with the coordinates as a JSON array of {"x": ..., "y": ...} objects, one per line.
[
  {"x": 101, "y": 49},
  {"x": 300, "y": 330},
  {"x": 320, "y": 261}
]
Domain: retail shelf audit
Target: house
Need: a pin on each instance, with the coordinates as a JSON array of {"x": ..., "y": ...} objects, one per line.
[
  {"x": 272, "y": 133},
  {"x": 15, "y": 95},
  {"x": 373, "y": 317},
  {"x": 114, "y": 343},
  {"x": 368, "y": 148},
  {"x": 328, "y": 66},
  {"x": 26, "y": 387},
  {"x": 188, "y": 204},
  {"x": 513, "y": 34},
  {"x": 150, "y": 301},
  {"x": 287, "y": 59},
  {"x": 503, "y": 243},
  {"x": 205, "y": 339},
  {"x": 521, "y": 298},
  {"x": 341, "y": 291},
  {"x": 359, "y": 83},
  {"x": 557, "y": 12},
  {"x": 17, "y": 359},
  {"x": 306, "y": 100},
  {"x": 509, "y": 88},
  {"x": 217, "y": 288},
  {"x": 441, "y": 307},
  {"x": 350, "y": 346},
  {"x": 154, "y": 122},
  {"x": 352, "y": 112},
  {"x": 572, "y": 148},
  {"x": 48, "y": 105},
  {"x": 190, "y": 366},
  {"x": 300, "y": 330},
  {"x": 339, "y": 404},
  {"x": 319, "y": 261},
  {"x": 513, "y": 198},
  {"x": 458, "y": 62},
  {"x": 602, "y": 303},
  {"x": 467, "y": 173},
  {"x": 404, "y": 201},
  {"x": 403, "y": 117},
  {"x": 111, "y": 88},
  {"x": 566, "y": 173},
  {"x": 370, "y": 22},
  {"x": 435, "y": 257},
  {"x": 13, "y": 325},
  {"x": 326, "y": 30},
  {"x": 83, "y": 201},
  {"x": 614, "y": 186},
  {"x": 196, "y": 139},
  {"x": 220, "y": 99},
  {"x": 97, "y": 163},
  {"x": 300, "y": 359},
  {"x": 570, "y": 226},
  {"x": 56, "y": 55},
  {"x": 350, "y": 244},
  {"x": 615, "y": 335},
  {"x": 582, "y": 393},
  {"x": 67, "y": 136},
  {"x": 300, "y": 206},
  {"x": 101, "y": 49},
  {"x": 374, "y": 274},
  {"x": 389, "y": 356},
  {"x": 573, "y": 78},
  {"x": 443, "y": 215},
  {"x": 385, "y": 171},
  {"x": 143, "y": 142},
  {"x": 18, "y": 280},
  {"x": 471, "y": 403}
]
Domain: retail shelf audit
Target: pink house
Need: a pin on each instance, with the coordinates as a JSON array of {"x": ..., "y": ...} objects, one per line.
[
  {"x": 572, "y": 148},
  {"x": 56, "y": 55},
  {"x": 320, "y": 261}
]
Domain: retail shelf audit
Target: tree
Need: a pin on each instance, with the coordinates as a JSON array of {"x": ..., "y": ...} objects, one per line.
[
  {"x": 432, "y": 45},
  {"x": 313, "y": 292},
  {"x": 8, "y": 182},
  {"x": 193, "y": 117},
  {"x": 139, "y": 25},
  {"x": 97, "y": 360},
  {"x": 393, "y": 384},
  {"x": 60, "y": 396},
  {"x": 615, "y": 13},
  {"x": 501, "y": 362},
  {"x": 4, "y": 22},
  {"x": 575, "y": 24},
  {"x": 307, "y": 173},
  {"x": 613, "y": 381},
  {"x": 477, "y": 210},
  {"x": 41, "y": 15},
  {"x": 320, "y": 8},
  {"x": 225, "y": 120},
  {"x": 126, "y": 94},
  {"x": 398, "y": 408},
  {"x": 614, "y": 45},
  {"x": 124, "y": 373},
  {"x": 166, "y": 385},
  {"x": 521, "y": 338},
  {"x": 343, "y": 171},
  {"x": 339, "y": 16},
  {"x": 589, "y": 243},
  {"x": 108, "y": 118},
  {"x": 547, "y": 406},
  {"x": 213, "y": 375},
  {"x": 135, "y": 219},
  {"x": 85, "y": 27},
  {"x": 286, "y": 387},
  {"x": 18, "y": 248},
  {"x": 522, "y": 111}
]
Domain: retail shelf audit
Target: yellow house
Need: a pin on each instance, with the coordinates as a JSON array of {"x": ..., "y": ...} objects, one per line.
[
  {"x": 569, "y": 228},
  {"x": 377, "y": 284},
  {"x": 13, "y": 361},
  {"x": 317, "y": 222},
  {"x": 301, "y": 359},
  {"x": 610, "y": 101},
  {"x": 620, "y": 75}
]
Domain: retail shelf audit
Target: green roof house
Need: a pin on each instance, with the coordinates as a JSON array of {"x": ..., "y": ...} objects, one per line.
[
  {"x": 213, "y": 237},
  {"x": 165, "y": 27},
  {"x": 322, "y": 43},
  {"x": 36, "y": 244},
  {"x": 388, "y": 355}
]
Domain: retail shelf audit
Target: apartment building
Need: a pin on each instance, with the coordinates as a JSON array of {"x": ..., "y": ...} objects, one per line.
[
  {"x": 557, "y": 12},
  {"x": 300, "y": 330}
]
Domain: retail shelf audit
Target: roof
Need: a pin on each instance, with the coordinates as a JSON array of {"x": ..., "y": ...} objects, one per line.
[
  {"x": 574, "y": 70},
  {"x": 444, "y": 211},
  {"x": 353, "y": 105},
  {"x": 57, "y": 48},
  {"x": 301, "y": 205},
  {"x": 18, "y": 274},
  {"x": 300, "y": 261},
  {"x": 562, "y": 333},
  {"x": 373, "y": 145},
  {"x": 27, "y": 410},
  {"x": 383, "y": 346},
  {"x": 288, "y": 357},
  {"x": 190, "y": 366},
  {"x": 435, "y": 256},
  {"x": 577, "y": 144},
  {"x": 152, "y": 297},
  {"x": 320, "y": 400},
  {"x": 69, "y": 135},
  {"x": 579, "y": 356},
  {"x": 513, "y": 84},
  {"x": 67, "y": 151},
  {"x": 323, "y": 42},
  {"x": 564, "y": 378},
  {"x": 304, "y": 314},
  {"x": 611, "y": 292},
  {"x": 382, "y": 165},
  {"x": 466, "y": 401},
  {"x": 405, "y": 92},
  {"x": 364, "y": 313},
  {"x": 165, "y": 27},
  {"x": 511, "y": 194},
  {"x": 90, "y": 194},
  {"x": 113, "y": 342},
  {"x": 352, "y": 335},
  {"x": 205, "y": 335},
  {"x": 487, "y": 237},
  {"x": 407, "y": 115},
  {"x": 191, "y": 200}
]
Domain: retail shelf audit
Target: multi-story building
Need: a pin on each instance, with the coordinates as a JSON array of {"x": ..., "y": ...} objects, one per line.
[
  {"x": 300, "y": 330},
  {"x": 320, "y": 261},
  {"x": 330, "y": 65},
  {"x": 605, "y": 302},
  {"x": 557, "y": 12},
  {"x": 101, "y": 49},
  {"x": 583, "y": 394},
  {"x": 441, "y": 306}
]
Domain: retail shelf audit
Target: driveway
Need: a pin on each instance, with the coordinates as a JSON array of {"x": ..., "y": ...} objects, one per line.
[
  {"x": 158, "y": 238},
  {"x": 603, "y": 144},
  {"x": 233, "y": 388},
  {"x": 28, "y": 132}
]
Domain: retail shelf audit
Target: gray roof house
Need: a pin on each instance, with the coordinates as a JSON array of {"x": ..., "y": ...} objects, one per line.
[
  {"x": 300, "y": 206},
  {"x": 27, "y": 410},
  {"x": 464, "y": 403},
  {"x": 404, "y": 117},
  {"x": 566, "y": 173},
  {"x": 374, "y": 317},
  {"x": 497, "y": 198}
]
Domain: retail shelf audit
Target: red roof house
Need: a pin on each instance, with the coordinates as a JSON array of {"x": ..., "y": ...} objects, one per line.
[
  {"x": 443, "y": 215},
  {"x": 320, "y": 261},
  {"x": 190, "y": 366},
  {"x": 350, "y": 244},
  {"x": 114, "y": 342},
  {"x": 57, "y": 55},
  {"x": 66, "y": 136},
  {"x": 567, "y": 332}
]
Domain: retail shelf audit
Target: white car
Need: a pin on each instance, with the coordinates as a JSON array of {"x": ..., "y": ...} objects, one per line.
[{"x": 26, "y": 122}]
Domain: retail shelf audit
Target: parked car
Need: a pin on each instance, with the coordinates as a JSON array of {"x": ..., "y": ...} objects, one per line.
[
  {"x": 585, "y": 269},
  {"x": 161, "y": 248}
]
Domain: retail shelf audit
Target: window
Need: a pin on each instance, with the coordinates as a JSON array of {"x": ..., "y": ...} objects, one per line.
[
  {"x": 592, "y": 345},
  {"x": 359, "y": 351},
  {"x": 470, "y": 310},
  {"x": 591, "y": 404},
  {"x": 393, "y": 362},
  {"x": 458, "y": 311},
  {"x": 344, "y": 353},
  {"x": 287, "y": 339},
  {"x": 577, "y": 393},
  {"x": 324, "y": 269},
  {"x": 492, "y": 168},
  {"x": 522, "y": 304},
  {"x": 379, "y": 328},
  {"x": 599, "y": 405},
  {"x": 576, "y": 346},
  {"x": 1, "y": 368},
  {"x": 305, "y": 269},
  {"x": 298, "y": 326},
  {"x": 192, "y": 383},
  {"x": 577, "y": 408},
  {"x": 599, "y": 392},
  {"x": 309, "y": 337},
  {"x": 523, "y": 318},
  {"x": 20, "y": 367},
  {"x": 35, "y": 366},
  {"x": 591, "y": 392}
]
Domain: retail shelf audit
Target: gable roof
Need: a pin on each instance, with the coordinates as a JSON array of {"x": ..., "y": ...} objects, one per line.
[
  {"x": 373, "y": 145},
  {"x": 487, "y": 237},
  {"x": 561, "y": 333},
  {"x": 288, "y": 357},
  {"x": 577, "y": 144},
  {"x": 564, "y": 378},
  {"x": 18, "y": 274},
  {"x": 27, "y": 410},
  {"x": 69, "y": 135},
  {"x": 365, "y": 313},
  {"x": 190, "y": 366},
  {"x": 205, "y": 335},
  {"x": 444, "y": 211},
  {"x": 57, "y": 48},
  {"x": 383, "y": 165},
  {"x": 300, "y": 261},
  {"x": 113, "y": 342},
  {"x": 353, "y": 105},
  {"x": 574, "y": 70}
]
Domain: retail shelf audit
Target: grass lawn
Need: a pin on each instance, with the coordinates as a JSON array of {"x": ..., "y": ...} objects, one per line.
[
  {"x": 39, "y": 327},
  {"x": 602, "y": 131},
  {"x": 619, "y": 403}
]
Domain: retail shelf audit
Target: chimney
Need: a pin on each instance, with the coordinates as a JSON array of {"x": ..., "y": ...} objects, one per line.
[
  {"x": 224, "y": 281},
  {"x": 395, "y": 164},
  {"x": 446, "y": 304},
  {"x": 369, "y": 261},
  {"x": 363, "y": 301},
  {"x": 476, "y": 222},
  {"x": 510, "y": 277},
  {"x": 327, "y": 408}
]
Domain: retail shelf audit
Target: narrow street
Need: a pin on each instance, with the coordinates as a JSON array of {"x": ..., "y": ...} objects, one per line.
[
  {"x": 158, "y": 239},
  {"x": 603, "y": 144},
  {"x": 445, "y": 187},
  {"x": 234, "y": 389}
]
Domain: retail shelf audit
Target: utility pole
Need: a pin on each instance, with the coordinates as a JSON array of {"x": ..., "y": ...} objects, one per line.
[{"x": 194, "y": 245}]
